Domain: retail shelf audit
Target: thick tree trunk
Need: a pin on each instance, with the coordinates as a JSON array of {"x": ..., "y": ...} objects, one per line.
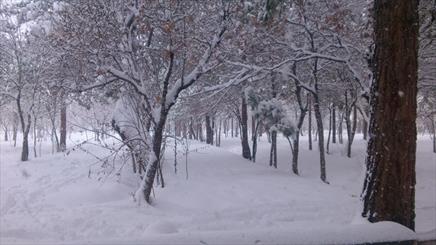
[
  {"x": 153, "y": 166},
  {"x": 389, "y": 188},
  {"x": 244, "y": 130},
  {"x": 25, "y": 128}
]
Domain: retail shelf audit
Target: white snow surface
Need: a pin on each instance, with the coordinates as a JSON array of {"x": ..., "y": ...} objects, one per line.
[{"x": 226, "y": 200}]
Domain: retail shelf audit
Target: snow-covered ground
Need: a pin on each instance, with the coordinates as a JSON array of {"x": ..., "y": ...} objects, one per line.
[{"x": 62, "y": 199}]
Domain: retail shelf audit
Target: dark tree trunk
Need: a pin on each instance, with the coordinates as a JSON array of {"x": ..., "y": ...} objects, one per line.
[
  {"x": 340, "y": 129},
  {"x": 200, "y": 131},
  {"x": 209, "y": 131},
  {"x": 318, "y": 117},
  {"x": 244, "y": 130},
  {"x": 330, "y": 131},
  {"x": 63, "y": 126},
  {"x": 303, "y": 110},
  {"x": 6, "y": 134},
  {"x": 320, "y": 128},
  {"x": 365, "y": 129},
  {"x": 191, "y": 130},
  {"x": 25, "y": 128},
  {"x": 351, "y": 125},
  {"x": 389, "y": 188},
  {"x": 154, "y": 165},
  {"x": 334, "y": 124},
  {"x": 219, "y": 134},
  {"x": 231, "y": 127},
  {"x": 309, "y": 128},
  {"x": 254, "y": 128},
  {"x": 296, "y": 141},
  {"x": 34, "y": 136},
  {"x": 273, "y": 151},
  {"x": 433, "y": 131}
]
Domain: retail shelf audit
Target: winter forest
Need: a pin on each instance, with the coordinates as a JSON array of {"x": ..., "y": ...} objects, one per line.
[{"x": 217, "y": 122}]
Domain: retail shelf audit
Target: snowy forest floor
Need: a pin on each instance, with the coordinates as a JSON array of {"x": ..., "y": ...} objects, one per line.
[{"x": 60, "y": 198}]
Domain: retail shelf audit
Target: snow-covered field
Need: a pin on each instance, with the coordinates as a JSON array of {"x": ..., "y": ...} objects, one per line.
[{"x": 57, "y": 199}]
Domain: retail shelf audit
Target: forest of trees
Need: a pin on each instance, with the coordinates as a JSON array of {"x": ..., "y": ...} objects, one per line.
[{"x": 144, "y": 71}]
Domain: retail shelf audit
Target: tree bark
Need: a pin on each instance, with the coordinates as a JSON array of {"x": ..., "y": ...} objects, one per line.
[
  {"x": 63, "y": 126},
  {"x": 209, "y": 131},
  {"x": 330, "y": 131},
  {"x": 273, "y": 151},
  {"x": 309, "y": 128},
  {"x": 254, "y": 129},
  {"x": 334, "y": 124},
  {"x": 25, "y": 128},
  {"x": 231, "y": 127},
  {"x": 244, "y": 130},
  {"x": 296, "y": 140},
  {"x": 15, "y": 129},
  {"x": 318, "y": 117},
  {"x": 351, "y": 125},
  {"x": 6, "y": 133},
  {"x": 340, "y": 129},
  {"x": 389, "y": 187}
]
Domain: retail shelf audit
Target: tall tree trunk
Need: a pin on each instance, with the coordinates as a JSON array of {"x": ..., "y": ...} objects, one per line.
[
  {"x": 334, "y": 124},
  {"x": 218, "y": 139},
  {"x": 63, "y": 126},
  {"x": 15, "y": 129},
  {"x": 254, "y": 127},
  {"x": 25, "y": 128},
  {"x": 6, "y": 133},
  {"x": 340, "y": 129},
  {"x": 433, "y": 131},
  {"x": 200, "y": 131},
  {"x": 34, "y": 136},
  {"x": 318, "y": 118},
  {"x": 273, "y": 151},
  {"x": 152, "y": 167},
  {"x": 319, "y": 126},
  {"x": 330, "y": 131},
  {"x": 351, "y": 125},
  {"x": 231, "y": 127},
  {"x": 209, "y": 131},
  {"x": 191, "y": 130},
  {"x": 365, "y": 129},
  {"x": 309, "y": 128},
  {"x": 296, "y": 141},
  {"x": 244, "y": 130},
  {"x": 389, "y": 187}
]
